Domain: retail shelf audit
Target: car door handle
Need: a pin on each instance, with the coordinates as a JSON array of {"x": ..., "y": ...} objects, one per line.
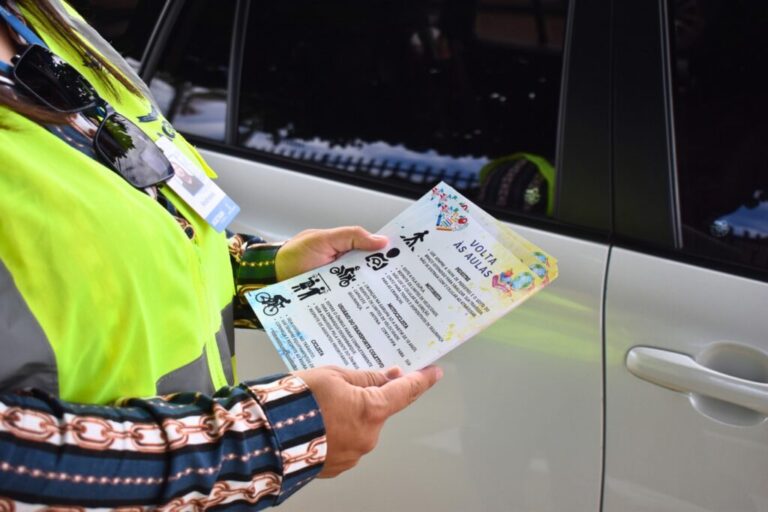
[{"x": 680, "y": 372}]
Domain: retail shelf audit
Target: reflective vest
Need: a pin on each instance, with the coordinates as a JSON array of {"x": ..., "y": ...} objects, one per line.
[{"x": 102, "y": 295}]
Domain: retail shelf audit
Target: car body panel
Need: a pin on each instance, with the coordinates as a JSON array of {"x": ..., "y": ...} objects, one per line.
[
  {"x": 516, "y": 423},
  {"x": 674, "y": 451}
]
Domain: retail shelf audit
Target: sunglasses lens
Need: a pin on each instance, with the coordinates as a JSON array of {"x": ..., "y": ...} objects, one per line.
[
  {"x": 131, "y": 153},
  {"x": 53, "y": 81}
]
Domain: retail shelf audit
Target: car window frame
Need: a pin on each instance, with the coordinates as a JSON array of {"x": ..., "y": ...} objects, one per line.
[
  {"x": 159, "y": 38},
  {"x": 643, "y": 148},
  {"x": 643, "y": 133},
  {"x": 583, "y": 205}
]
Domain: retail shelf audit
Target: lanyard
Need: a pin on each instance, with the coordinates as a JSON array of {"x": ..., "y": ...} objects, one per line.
[{"x": 15, "y": 24}]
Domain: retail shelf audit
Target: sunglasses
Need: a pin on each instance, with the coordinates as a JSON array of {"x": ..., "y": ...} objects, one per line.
[{"x": 118, "y": 142}]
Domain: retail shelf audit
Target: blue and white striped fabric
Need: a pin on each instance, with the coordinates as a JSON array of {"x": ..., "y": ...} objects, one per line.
[{"x": 249, "y": 446}]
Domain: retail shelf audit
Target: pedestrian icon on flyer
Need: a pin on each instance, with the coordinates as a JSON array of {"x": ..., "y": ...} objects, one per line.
[
  {"x": 378, "y": 261},
  {"x": 312, "y": 291},
  {"x": 310, "y": 287},
  {"x": 304, "y": 285},
  {"x": 416, "y": 238}
]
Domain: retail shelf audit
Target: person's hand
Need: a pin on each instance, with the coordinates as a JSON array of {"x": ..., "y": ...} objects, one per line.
[
  {"x": 356, "y": 403},
  {"x": 314, "y": 248}
]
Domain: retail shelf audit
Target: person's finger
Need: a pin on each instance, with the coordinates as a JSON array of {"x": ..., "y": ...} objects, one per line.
[
  {"x": 399, "y": 393},
  {"x": 394, "y": 372},
  {"x": 347, "y": 238},
  {"x": 366, "y": 378}
]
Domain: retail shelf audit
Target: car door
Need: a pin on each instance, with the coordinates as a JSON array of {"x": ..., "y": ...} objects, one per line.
[
  {"x": 686, "y": 325},
  {"x": 516, "y": 424},
  {"x": 318, "y": 115}
]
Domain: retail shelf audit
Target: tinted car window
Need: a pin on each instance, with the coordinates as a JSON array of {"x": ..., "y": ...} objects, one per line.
[
  {"x": 410, "y": 92},
  {"x": 190, "y": 84},
  {"x": 721, "y": 128},
  {"x": 126, "y": 24}
]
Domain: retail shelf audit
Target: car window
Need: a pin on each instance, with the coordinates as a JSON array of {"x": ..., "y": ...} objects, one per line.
[
  {"x": 410, "y": 93},
  {"x": 721, "y": 128},
  {"x": 126, "y": 24},
  {"x": 190, "y": 84}
]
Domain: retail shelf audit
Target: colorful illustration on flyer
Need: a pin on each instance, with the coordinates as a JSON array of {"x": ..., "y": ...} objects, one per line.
[
  {"x": 542, "y": 258},
  {"x": 541, "y": 271},
  {"x": 508, "y": 282},
  {"x": 451, "y": 212}
]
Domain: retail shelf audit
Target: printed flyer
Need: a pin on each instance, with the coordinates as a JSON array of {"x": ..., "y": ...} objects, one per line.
[{"x": 449, "y": 271}]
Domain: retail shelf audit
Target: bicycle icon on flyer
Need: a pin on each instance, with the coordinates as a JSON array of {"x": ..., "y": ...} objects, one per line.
[{"x": 272, "y": 304}]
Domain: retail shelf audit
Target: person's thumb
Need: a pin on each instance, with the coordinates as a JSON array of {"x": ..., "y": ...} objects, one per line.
[
  {"x": 401, "y": 392},
  {"x": 354, "y": 237},
  {"x": 394, "y": 372},
  {"x": 366, "y": 378}
]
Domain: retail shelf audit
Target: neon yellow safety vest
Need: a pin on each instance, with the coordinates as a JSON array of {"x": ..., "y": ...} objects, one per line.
[{"x": 102, "y": 295}]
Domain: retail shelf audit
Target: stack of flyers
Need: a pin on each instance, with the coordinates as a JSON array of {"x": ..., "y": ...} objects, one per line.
[{"x": 449, "y": 271}]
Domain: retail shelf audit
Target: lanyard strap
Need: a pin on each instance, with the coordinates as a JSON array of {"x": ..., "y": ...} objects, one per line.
[{"x": 21, "y": 29}]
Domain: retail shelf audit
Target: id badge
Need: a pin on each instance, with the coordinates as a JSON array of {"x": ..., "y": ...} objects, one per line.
[{"x": 198, "y": 190}]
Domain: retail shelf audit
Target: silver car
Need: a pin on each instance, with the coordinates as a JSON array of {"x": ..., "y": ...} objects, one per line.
[{"x": 626, "y": 138}]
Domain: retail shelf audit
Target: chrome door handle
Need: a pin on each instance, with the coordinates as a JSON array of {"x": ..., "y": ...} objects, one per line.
[{"x": 680, "y": 372}]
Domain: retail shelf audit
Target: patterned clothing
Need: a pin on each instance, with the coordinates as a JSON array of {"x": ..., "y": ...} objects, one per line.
[{"x": 249, "y": 446}]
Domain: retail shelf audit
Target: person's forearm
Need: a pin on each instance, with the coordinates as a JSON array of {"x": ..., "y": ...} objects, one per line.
[{"x": 254, "y": 444}]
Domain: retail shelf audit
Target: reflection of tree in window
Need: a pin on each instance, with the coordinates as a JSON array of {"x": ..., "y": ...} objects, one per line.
[{"x": 121, "y": 134}]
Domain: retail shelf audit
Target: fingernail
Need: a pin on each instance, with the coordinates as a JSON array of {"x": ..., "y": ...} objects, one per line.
[
  {"x": 379, "y": 237},
  {"x": 438, "y": 372}
]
